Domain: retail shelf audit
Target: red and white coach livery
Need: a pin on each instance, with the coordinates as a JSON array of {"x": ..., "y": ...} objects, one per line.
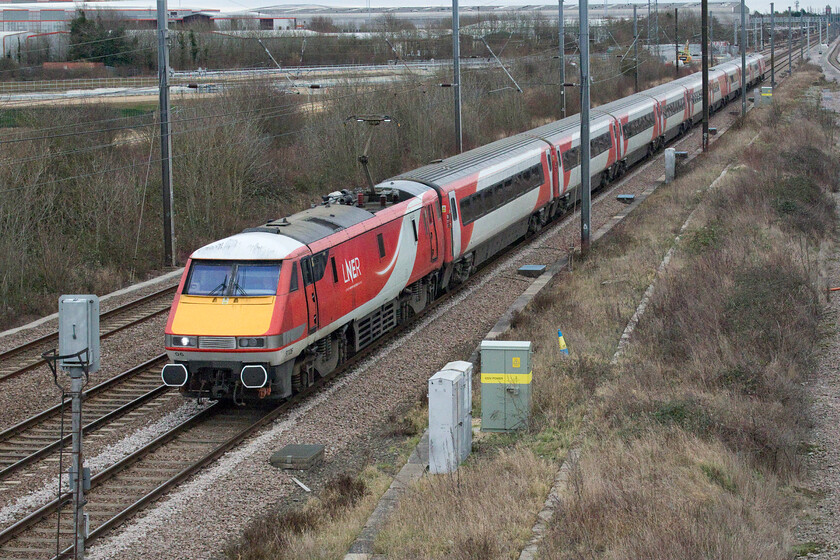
[{"x": 265, "y": 312}]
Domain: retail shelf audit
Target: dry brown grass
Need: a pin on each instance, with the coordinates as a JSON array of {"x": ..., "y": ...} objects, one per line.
[
  {"x": 667, "y": 496},
  {"x": 483, "y": 511},
  {"x": 323, "y": 528},
  {"x": 694, "y": 446}
]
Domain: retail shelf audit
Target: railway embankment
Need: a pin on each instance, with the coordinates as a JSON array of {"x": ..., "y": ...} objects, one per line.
[{"x": 697, "y": 436}]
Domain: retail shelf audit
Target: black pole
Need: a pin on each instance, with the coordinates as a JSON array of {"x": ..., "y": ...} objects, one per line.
[
  {"x": 585, "y": 179},
  {"x": 790, "y": 41},
  {"x": 772, "y": 46},
  {"x": 635, "y": 52},
  {"x": 743, "y": 45},
  {"x": 676, "y": 45}
]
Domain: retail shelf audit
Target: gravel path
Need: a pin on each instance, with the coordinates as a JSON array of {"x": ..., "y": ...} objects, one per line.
[{"x": 820, "y": 522}]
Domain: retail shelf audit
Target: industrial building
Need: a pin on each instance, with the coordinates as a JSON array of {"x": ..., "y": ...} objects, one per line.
[{"x": 52, "y": 17}]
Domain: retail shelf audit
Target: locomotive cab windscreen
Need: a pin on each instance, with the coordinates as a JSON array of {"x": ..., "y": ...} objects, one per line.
[{"x": 232, "y": 279}]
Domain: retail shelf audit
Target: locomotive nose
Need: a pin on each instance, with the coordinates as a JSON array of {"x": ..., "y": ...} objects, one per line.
[{"x": 174, "y": 375}]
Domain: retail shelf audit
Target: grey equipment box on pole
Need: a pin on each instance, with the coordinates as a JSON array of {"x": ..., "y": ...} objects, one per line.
[
  {"x": 505, "y": 385},
  {"x": 78, "y": 330},
  {"x": 450, "y": 417}
]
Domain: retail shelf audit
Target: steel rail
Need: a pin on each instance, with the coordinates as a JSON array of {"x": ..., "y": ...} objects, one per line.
[
  {"x": 832, "y": 56},
  {"x": 105, "y": 331},
  {"x": 49, "y": 414}
]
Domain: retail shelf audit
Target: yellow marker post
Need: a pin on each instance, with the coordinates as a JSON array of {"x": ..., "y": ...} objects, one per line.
[{"x": 562, "y": 342}]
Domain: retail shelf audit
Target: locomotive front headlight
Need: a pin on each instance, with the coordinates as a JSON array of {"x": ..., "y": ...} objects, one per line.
[
  {"x": 252, "y": 342},
  {"x": 181, "y": 341}
]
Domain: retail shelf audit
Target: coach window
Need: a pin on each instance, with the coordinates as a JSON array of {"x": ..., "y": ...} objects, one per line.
[
  {"x": 293, "y": 283},
  {"x": 381, "y": 242},
  {"x": 318, "y": 264},
  {"x": 306, "y": 269},
  {"x": 507, "y": 189},
  {"x": 499, "y": 194},
  {"x": 454, "y": 211},
  {"x": 487, "y": 200},
  {"x": 335, "y": 272}
]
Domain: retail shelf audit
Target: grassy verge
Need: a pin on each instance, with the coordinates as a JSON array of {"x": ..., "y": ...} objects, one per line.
[
  {"x": 691, "y": 442},
  {"x": 694, "y": 443}
]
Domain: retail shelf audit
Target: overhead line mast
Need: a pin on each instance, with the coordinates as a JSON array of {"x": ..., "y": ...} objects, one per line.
[
  {"x": 165, "y": 135},
  {"x": 743, "y": 59},
  {"x": 456, "y": 67},
  {"x": 585, "y": 179}
]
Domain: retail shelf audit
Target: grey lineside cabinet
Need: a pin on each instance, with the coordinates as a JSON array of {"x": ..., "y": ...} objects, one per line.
[
  {"x": 505, "y": 385},
  {"x": 450, "y": 417}
]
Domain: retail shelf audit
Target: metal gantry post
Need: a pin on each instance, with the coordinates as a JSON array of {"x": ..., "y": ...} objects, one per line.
[
  {"x": 80, "y": 526},
  {"x": 562, "y": 31},
  {"x": 704, "y": 46},
  {"x": 656, "y": 25},
  {"x": 790, "y": 43},
  {"x": 635, "y": 51},
  {"x": 648, "y": 25},
  {"x": 456, "y": 70},
  {"x": 676, "y": 44},
  {"x": 165, "y": 135},
  {"x": 801, "y": 36},
  {"x": 711, "y": 36},
  {"x": 743, "y": 59},
  {"x": 585, "y": 179},
  {"x": 772, "y": 46},
  {"x": 808, "y": 27}
]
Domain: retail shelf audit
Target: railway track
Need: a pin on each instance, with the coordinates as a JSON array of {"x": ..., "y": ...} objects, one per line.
[
  {"x": 28, "y": 356},
  {"x": 124, "y": 488},
  {"x": 127, "y": 394},
  {"x": 833, "y": 54}
]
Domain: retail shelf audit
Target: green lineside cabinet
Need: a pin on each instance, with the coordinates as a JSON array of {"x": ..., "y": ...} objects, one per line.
[{"x": 505, "y": 385}]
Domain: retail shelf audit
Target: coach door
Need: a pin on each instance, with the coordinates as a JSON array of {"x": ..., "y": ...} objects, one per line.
[
  {"x": 455, "y": 226},
  {"x": 551, "y": 183},
  {"x": 309, "y": 270},
  {"x": 433, "y": 235}
]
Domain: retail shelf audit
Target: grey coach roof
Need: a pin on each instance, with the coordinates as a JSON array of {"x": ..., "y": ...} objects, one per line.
[{"x": 471, "y": 161}]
